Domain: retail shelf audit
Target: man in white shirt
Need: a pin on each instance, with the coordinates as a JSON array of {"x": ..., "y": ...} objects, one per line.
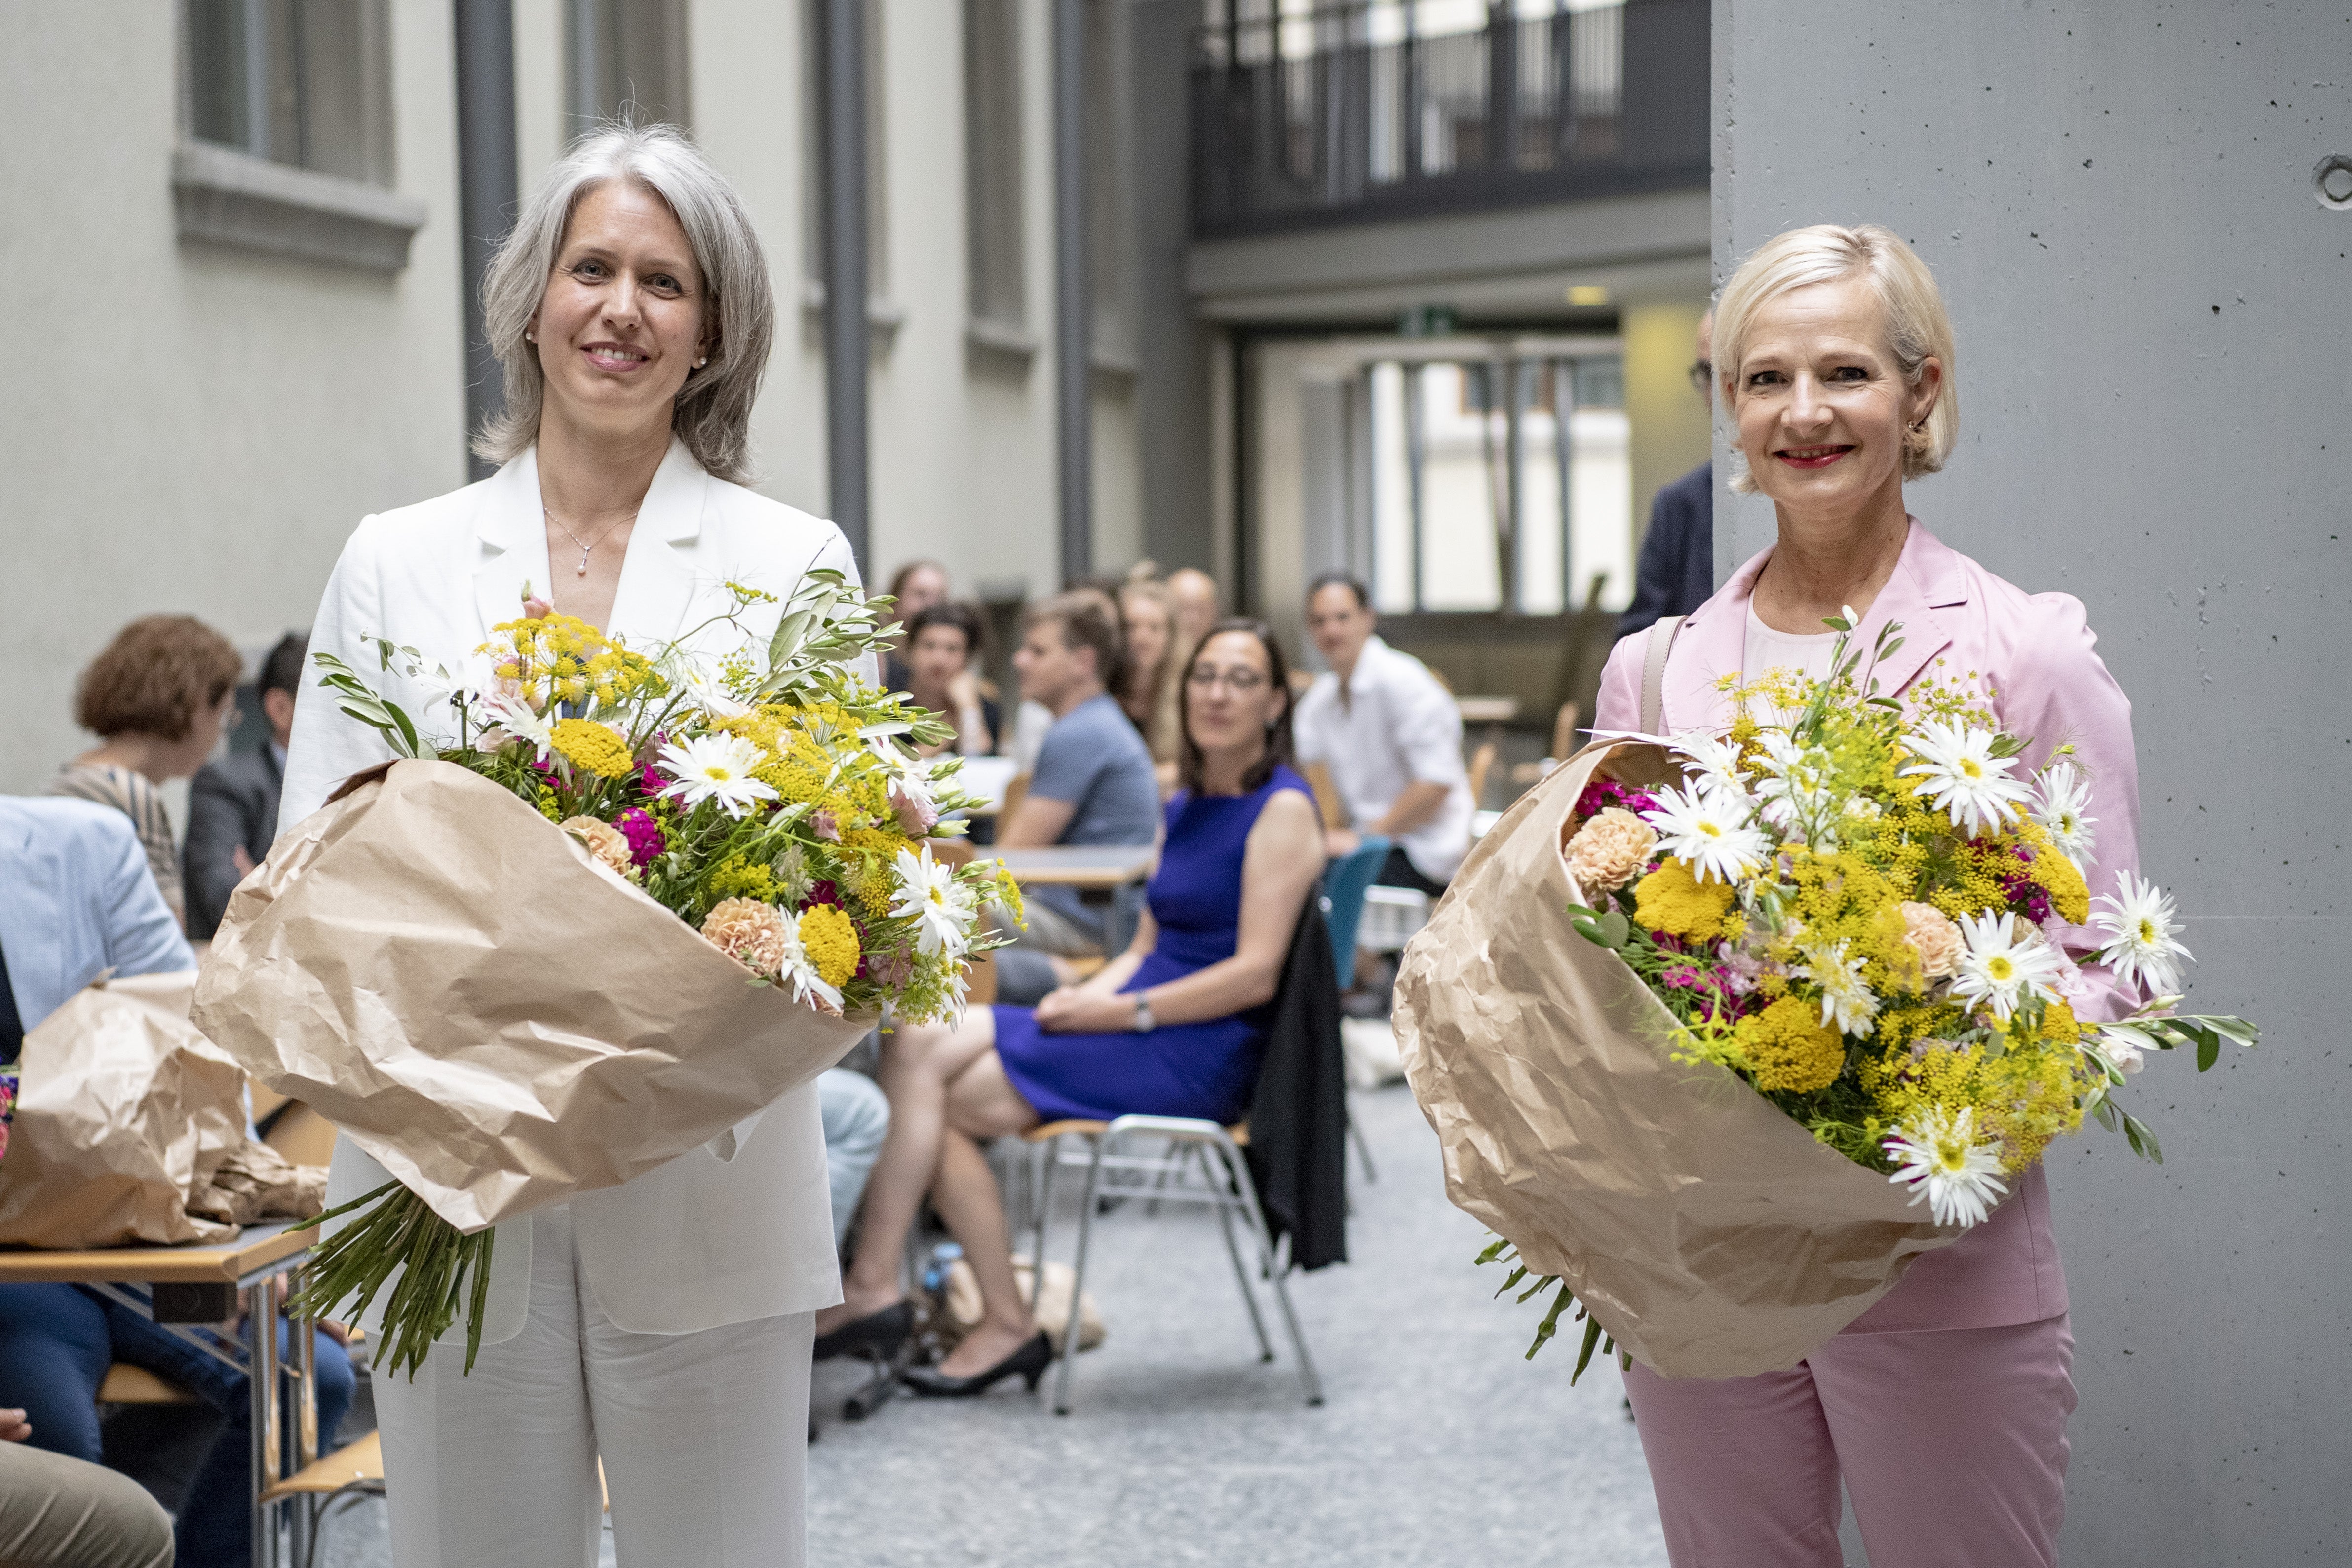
[{"x": 1391, "y": 739}]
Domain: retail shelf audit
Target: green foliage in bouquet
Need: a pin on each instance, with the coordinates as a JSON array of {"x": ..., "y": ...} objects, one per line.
[{"x": 767, "y": 798}]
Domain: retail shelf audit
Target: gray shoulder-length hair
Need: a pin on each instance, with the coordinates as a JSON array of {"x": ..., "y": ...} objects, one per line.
[{"x": 714, "y": 409}]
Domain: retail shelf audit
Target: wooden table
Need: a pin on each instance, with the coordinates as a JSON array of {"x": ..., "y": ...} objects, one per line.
[
  {"x": 252, "y": 1270},
  {"x": 1488, "y": 710},
  {"x": 1089, "y": 868}
]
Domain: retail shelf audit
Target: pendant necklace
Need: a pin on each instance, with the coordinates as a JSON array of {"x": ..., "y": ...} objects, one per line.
[{"x": 592, "y": 544}]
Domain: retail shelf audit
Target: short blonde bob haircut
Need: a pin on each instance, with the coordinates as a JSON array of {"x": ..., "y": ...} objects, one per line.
[
  {"x": 1917, "y": 328},
  {"x": 714, "y": 408}
]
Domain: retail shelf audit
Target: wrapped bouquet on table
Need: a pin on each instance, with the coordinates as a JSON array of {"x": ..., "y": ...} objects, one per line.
[
  {"x": 631, "y": 900},
  {"x": 1719, "y": 1032}
]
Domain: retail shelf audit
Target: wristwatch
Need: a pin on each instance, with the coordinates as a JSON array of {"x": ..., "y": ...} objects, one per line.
[{"x": 1144, "y": 1022}]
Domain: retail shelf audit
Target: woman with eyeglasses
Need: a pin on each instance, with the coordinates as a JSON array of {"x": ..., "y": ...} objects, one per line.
[{"x": 1175, "y": 1026}]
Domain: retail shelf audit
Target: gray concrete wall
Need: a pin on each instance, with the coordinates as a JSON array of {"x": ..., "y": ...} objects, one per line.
[{"x": 2155, "y": 366}]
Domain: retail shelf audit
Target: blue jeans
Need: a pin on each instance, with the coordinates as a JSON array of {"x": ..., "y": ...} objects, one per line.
[
  {"x": 56, "y": 1343},
  {"x": 856, "y": 1118}
]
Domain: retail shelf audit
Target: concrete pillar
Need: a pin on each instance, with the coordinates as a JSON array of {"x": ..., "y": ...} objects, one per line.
[{"x": 1666, "y": 420}]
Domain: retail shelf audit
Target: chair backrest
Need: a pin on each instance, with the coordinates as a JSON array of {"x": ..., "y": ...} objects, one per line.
[
  {"x": 1345, "y": 882},
  {"x": 1482, "y": 762},
  {"x": 1326, "y": 794},
  {"x": 1564, "y": 732},
  {"x": 1015, "y": 792}
]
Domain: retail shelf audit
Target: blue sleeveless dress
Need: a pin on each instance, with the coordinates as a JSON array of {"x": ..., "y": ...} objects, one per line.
[{"x": 1203, "y": 1069}]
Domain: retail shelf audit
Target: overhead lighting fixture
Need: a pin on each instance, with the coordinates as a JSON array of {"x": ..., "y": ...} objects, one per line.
[{"x": 1587, "y": 294}]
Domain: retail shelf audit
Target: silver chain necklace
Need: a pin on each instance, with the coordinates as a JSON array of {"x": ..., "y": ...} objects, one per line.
[{"x": 592, "y": 544}]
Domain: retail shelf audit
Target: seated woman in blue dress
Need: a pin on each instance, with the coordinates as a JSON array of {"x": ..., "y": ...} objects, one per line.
[{"x": 1173, "y": 1027}]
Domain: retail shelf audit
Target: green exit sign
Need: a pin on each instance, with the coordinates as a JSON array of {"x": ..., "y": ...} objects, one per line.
[{"x": 1427, "y": 321}]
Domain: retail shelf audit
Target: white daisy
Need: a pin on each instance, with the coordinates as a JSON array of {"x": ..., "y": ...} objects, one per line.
[
  {"x": 1709, "y": 832},
  {"x": 1793, "y": 781},
  {"x": 2140, "y": 928},
  {"x": 1942, "y": 1160},
  {"x": 800, "y": 974},
  {"x": 708, "y": 685},
  {"x": 1714, "y": 762},
  {"x": 1959, "y": 771},
  {"x": 927, "y": 891},
  {"x": 2062, "y": 798},
  {"x": 715, "y": 768},
  {"x": 2002, "y": 970},
  {"x": 523, "y": 721},
  {"x": 1847, "y": 1004}
]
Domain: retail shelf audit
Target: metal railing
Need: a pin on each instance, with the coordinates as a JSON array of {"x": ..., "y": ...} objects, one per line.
[{"x": 1348, "y": 112}]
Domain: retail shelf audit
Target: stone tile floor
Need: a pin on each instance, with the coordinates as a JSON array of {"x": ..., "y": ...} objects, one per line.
[{"x": 1439, "y": 1445}]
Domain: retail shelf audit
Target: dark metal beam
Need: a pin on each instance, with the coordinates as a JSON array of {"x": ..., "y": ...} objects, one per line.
[
  {"x": 1073, "y": 313},
  {"x": 841, "y": 37},
  {"x": 488, "y": 186}
]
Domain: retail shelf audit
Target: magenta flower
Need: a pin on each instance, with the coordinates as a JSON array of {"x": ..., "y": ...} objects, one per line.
[{"x": 645, "y": 836}]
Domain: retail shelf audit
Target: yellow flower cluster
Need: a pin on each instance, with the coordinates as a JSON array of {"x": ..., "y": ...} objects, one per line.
[
  {"x": 736, "y": 878},
  {"x": 561, "y": 658},
  {"x": 594, "y": 747},
  {"x": 1787, "y": 1046},
  {"x": 830, "y": 938},
  {"x": 1670, "y": 899}
]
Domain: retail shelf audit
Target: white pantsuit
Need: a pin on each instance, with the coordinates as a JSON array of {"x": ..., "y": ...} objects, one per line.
[{"x": 664, "y": 1323}]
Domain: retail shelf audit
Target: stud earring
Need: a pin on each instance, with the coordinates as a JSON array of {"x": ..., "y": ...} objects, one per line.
[{"x": 702, "y": 361}]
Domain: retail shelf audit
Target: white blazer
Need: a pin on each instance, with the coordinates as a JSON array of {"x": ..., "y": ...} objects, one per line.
[{"x": 702, "y": 1240}]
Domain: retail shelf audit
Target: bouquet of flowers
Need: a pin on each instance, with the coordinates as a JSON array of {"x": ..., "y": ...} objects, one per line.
[
  {"x": 1861, "y": 910},
  {"x": 765, "y": 798}
]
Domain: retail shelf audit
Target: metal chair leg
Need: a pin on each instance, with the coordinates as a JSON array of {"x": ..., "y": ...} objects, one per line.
[
  {"x": 1226, "y": 1206},
  {"x": 1239, "y": 1166},
  {"x": 1077, "y": 1284},
  {"x": 1041, "y": 1192},
  {"x": 1363, "y": 1149}
]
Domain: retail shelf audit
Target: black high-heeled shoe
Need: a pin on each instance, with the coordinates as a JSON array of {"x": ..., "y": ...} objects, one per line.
[
  {"x": 881, "y": 1334},
  {"x": 1028, "y": 1363}
]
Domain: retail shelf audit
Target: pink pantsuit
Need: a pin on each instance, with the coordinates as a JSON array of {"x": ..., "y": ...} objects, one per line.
[{"x": 1944, "y": 1406}]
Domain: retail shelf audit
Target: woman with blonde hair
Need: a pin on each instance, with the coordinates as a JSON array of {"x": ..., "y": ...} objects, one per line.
[
  {"x": 1147, "y": 688},
  {"x": 663, "y": 1325},
  {"x": 1943, "y": 1409},
  {"x": 157, "y": 697}
]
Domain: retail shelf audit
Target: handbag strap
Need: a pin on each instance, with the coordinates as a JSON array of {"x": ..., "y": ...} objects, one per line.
[{"x": 1663, "y": 633}]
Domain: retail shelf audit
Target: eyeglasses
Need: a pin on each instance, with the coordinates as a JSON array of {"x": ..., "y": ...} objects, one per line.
[
  {"x": 1702, "y": 373},
  {"x": 1242, "y": 683}
]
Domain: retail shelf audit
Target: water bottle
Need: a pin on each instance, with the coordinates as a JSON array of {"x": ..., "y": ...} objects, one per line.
[{"x": 935, "y": 1273}]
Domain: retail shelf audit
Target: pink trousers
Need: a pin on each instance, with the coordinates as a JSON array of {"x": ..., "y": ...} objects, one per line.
[{"x": 1952, "y": 1443}]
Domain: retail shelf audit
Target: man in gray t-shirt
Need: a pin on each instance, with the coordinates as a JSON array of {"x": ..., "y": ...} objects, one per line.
[{"x": 1093, "y": 782}]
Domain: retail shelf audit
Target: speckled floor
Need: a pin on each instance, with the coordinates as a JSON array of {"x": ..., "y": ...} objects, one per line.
[{"x": 1438, "y": 1444}]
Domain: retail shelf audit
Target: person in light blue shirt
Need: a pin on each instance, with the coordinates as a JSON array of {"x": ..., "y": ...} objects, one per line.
[
  {"x": 77, "y": 900},
  {"x": 1093, "y": 782}
]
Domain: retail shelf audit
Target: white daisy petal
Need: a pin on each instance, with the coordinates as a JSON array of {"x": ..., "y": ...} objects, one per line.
[
  {"x": 1708, "y": 831},
  {"x": 1847, "y": 1004},
  {"x": 1940, "y": 1156},
  {"x": 2002, "y": 970},
  {"x": 928, "y": 892},
  {"x": 2061, "y": 806},
  {"x": 1959, "y": 772},
  {"x": 715, "y": 768},
  {"x": 2141, "y": 930}
]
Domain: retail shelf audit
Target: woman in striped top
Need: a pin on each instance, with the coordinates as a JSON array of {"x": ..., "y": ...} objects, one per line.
[{"x": 157, "y": 699}]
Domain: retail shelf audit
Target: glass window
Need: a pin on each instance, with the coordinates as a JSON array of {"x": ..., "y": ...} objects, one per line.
[
  {"x": 302, "y": 82},
  {"x": 626, "y": 58},
  {"x": 994, "y": 218},
  {"x": 1470, "y": 463},
  {"x": 1109, "y": 272}
]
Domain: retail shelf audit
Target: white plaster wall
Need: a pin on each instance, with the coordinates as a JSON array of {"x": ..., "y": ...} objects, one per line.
[
  {"x": 191, "y": 429},
  {"x": 2155, "y": 367}
]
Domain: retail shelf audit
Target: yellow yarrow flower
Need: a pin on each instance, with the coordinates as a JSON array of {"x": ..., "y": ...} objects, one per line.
[
  {"x": 1787, "y": 1047},
  {"x": 594, "y": 747},
  {"x": 830, "y": 938},
  {"x": 1672, "y": 900}
]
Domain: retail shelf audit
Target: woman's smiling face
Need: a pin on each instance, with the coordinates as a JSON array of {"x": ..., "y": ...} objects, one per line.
[
  {"x": 621, "y": 324},
  {"x": 1820, "y": 401}
]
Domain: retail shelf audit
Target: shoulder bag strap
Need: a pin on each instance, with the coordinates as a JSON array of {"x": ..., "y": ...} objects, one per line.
[{"x": 1663, "y": 633}]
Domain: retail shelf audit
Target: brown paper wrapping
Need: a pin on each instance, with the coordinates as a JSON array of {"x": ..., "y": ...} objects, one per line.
[
  {"x": 499, "y": 1019},
  {"x": 1708, "y": 1233},
  {"x": 126, "y": 1114}
]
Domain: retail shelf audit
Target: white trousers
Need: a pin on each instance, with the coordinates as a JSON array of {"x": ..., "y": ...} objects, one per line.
[{"x": 703, "y": 1438}]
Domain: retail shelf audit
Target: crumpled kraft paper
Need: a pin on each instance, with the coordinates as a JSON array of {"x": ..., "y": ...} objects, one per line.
[
  {"x": 1709, "y": 1234},
  {"x": 500, "y": 1020},
  {"x": 127, "y": 1115}
]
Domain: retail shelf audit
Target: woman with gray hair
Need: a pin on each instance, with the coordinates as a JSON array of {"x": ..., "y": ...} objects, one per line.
[
  {"x": 1943, "y": 1407},
  {"x": 663, "y": 1325}
]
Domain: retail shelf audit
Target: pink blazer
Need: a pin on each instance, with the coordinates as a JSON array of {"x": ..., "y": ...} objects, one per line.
[{"x": 2036, "y": 653}]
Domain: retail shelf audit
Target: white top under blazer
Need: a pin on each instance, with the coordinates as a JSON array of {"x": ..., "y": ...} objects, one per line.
[{"x": 700, "y": 1242}]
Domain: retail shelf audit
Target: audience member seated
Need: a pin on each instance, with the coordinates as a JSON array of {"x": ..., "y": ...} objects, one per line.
[
  {"x": 1391, "y": 737},
  {"x": 1147, "y": 687},
  {"x": 856, "y": 1115},
  {"x": 1175, "y": 1027},
  {"x": 1092, "y": 784},
  {"x": 944, "y": 644},
  {"x": 156, "y": 698},
  {"x": 232, "y": 802},
  {"x": 76, "y": 901},
  {"x": 1195, "y": 594},
  {"x": 60, "y": 1513},
  {"x": 917, "y": 586}
]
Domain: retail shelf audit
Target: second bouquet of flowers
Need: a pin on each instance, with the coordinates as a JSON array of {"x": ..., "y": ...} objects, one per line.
[
  {"x": 1752, "y": 1019},
  {"x": 605, "y": 906}
]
